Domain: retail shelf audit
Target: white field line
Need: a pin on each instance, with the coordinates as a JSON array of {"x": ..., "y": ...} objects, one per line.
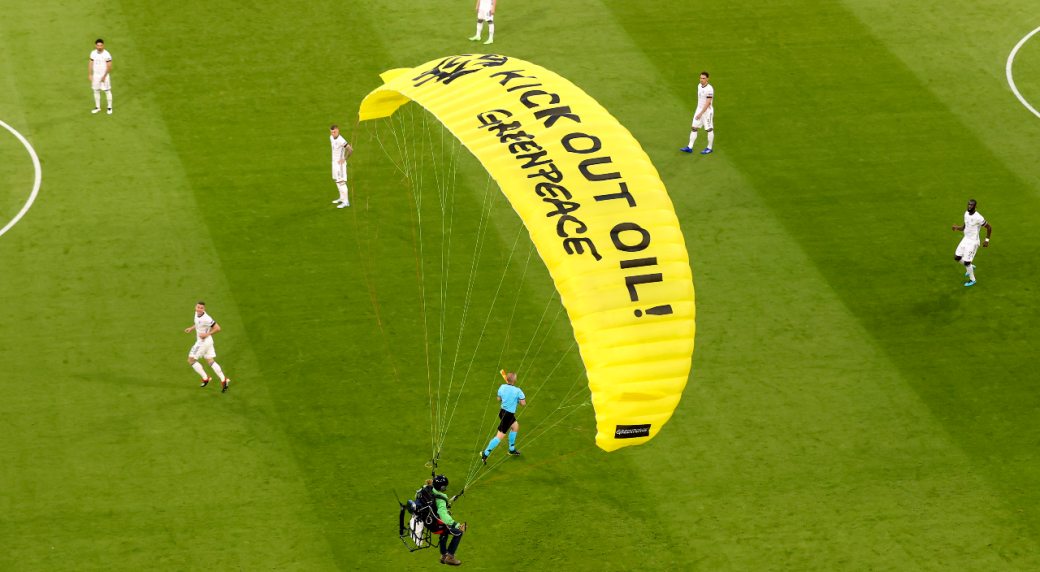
[
  {"x": 36, "y": 184},
  {"x": 1011, "y": 80}
]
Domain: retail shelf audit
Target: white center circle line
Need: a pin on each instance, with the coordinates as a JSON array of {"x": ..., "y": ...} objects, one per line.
[
  {"x": 1011, "y": 80},
  {"x": 36, "y": 184}
]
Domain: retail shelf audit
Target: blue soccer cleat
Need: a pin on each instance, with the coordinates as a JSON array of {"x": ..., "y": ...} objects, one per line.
[
  {"x": 686, "y": 150},
  {"x": 972, "y": 283},
  {"x": 706, "y": 151},
  {"x": 967, "y": 273}
]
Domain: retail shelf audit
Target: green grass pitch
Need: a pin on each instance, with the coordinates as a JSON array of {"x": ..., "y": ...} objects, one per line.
[{"x": 851, "y": 407}]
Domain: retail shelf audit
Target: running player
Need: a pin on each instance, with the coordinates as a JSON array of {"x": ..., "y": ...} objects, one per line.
[
  {"x": 205, "y": 327},
  {"x": 486, "y": 12},
  {"x": 509, "y": 394},
  {"x": 98, "y": 71},
  {"x": 705, "y": 116},
  {"x": 341, "y": 150},
  {"x": 969, "y": 245}
]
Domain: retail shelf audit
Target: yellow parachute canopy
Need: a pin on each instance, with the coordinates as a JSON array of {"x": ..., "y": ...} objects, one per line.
[{"x": 597, "y": 212}]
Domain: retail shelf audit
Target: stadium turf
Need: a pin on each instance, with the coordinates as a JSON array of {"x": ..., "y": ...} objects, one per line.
[{"x": 851, "y": 407}]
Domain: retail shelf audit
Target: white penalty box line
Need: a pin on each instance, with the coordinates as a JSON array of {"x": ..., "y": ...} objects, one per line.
[
  {"x": 36, "y": 183},
  {"x": 1011, "y": 79}
]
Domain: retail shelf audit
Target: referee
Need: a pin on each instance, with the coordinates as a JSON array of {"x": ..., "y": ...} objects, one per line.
[{"x": 510, "y": 395}]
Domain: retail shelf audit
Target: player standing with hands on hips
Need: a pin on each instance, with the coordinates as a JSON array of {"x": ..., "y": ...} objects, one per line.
[
  {"x": 98, "y": 71},
  {"x": 486, "y": 12},
  {"x": 965, "y": 253},
  {"x": 205, "y": 327},
  {"x": 705, "y": 116},
  {"x": 341, "y": 151},
  {"x": 510, "y": 395}
]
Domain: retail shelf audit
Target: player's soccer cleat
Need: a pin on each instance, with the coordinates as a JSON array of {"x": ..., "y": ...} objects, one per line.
[
  {"x": 706, "y": 151},
  {"x": 475, "y": 39},
  {"x": 96, "y": 110},
  {"x": 686, "y": 150},
  {"x": 110, "y": 111},
  {"x": 343, "y": 205},
  {"x": 972, "y": 283},
  {"x": 968, "y": 273},
  {"x": 489, "y": 42},
  {"x": 514, "y": 452},
  {"x": 225, "y": 384},
  {"x": 483, "y": 457},
  {"x": 205, "y": 382},
  {"x": 337, "y": 201}
]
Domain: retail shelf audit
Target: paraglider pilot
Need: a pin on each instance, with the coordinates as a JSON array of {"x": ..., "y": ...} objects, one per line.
[{"x": 455, "y": 528}]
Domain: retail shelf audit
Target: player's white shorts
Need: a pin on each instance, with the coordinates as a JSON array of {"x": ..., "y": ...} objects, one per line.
[
  {"x": 484, "y": 12},
  {"x": 707, "y": 120},
  {"x": 105, "y": 85},
  {"x": 203, "y": 349},
  {"x": 339, "y": 172},
  {"x": 967, "y": 249}
]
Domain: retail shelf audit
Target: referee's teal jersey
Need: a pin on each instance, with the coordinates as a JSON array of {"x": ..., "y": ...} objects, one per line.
[{"x": 511, "y": 395}]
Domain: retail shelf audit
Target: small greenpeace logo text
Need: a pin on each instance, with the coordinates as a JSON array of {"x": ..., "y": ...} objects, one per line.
[{"x": 631, "y": 431}]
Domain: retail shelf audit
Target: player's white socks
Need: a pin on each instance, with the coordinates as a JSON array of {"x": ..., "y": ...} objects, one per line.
[
  {"x": 97, "y": 99},
  {"x": 344, "y": 194},
  {"x": 108, "y": 96},
  {"x": 693, "y": 139},
  {"x": 491, "y": 30},
  {"x": 971, "y": 272},
  {"x": 198, "y": 367},
  {"x": 711, "y": 139},
  {"x": 480, "y": 28},
  {"x": 217, "y": 370}
]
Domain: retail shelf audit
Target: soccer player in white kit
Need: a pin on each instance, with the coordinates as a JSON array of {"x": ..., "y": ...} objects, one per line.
[
  {"x": 341, "y": 151},
  {"x": 205, "y": 327},
  {"x": 98, "y": 71},
  {"x": 705, "y": 116},
  {"x": 486, "y": 13},
  {"x": 973, "y": 221}
]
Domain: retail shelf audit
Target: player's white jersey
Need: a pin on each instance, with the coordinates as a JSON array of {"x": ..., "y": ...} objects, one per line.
[
  {"x": 100, "y": 62},
  {"x": 203, "y": 323},
  {"x": 339, "y": 148},
  {"x": 703, "y": 93},
  {"x": 972, "y": 224}
]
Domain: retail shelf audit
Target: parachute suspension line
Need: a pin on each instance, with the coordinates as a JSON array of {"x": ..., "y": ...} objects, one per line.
[
  {"x": 473, "y": 464},
  {"x": 526, "y": 442},
  {"x": 491, "y": 308},
  {"x": 482, "y": 228},
  {"x": 370, "y": 285},
  {"x": 484, "y": 482},
  {"x": 415, "y": 204},
  {"x": 529, "y": 401},
  {"x": 563, "y": 357},
  {"x": 420, "y": 155},
  {"x": 480, "y": 339},
  {"x": 456, "y": 153},
  {"x": 441, "y": 197},
  {"x": 545, "y": 337},
  {"x": 446, "y": 201},
  {"x": 534, "y": 334},
  {"x": 533, "y": 434},
  {"x": 509, "y": 326},
  {"x": 447, "y": 204}
]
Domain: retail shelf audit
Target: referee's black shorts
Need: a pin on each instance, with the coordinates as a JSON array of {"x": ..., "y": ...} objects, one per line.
[{"x": 507, "y": 420}]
